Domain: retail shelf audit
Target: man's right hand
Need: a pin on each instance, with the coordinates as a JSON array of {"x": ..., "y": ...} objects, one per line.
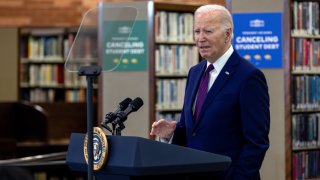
[{"x": 163, "y": 129}]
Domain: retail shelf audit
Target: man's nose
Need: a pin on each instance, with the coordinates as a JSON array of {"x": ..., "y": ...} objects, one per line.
[{"x": 201, "y": 36}]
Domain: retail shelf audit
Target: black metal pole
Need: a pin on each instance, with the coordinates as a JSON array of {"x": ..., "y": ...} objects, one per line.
[
  {"x": 91, "y": 72},
  {"x": 90, "y": 126}
]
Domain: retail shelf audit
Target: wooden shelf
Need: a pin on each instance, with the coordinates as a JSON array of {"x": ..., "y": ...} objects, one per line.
[
  {"x": 42, "y": 31},
  {"x": 44, "y": 81},
  {"x": 305, "y": 110},
  {"x": 168, "y": 109},
  {"x": 307, "y": 72},
  {"x": 174, "y": 6},
  {"x": 42, "y": 60},
  {"x": 57, "y": 86},
  {"x": 44, "y": 73},
  {"x": 305, "y": 36},
  {"x": 298, "y": 42},
  {"x": 175, "y": 43},
  {"x": 51, "y": 142},
  {"x": 171, "y": 75},
  {"x": 296, "y": 149}
]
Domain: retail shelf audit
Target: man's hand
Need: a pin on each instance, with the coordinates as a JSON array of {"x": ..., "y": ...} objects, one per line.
[{"x": 163, "y": 129}]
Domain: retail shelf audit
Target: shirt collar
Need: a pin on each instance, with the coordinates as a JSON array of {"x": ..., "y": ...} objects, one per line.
[{"x": 218, "y": 65}]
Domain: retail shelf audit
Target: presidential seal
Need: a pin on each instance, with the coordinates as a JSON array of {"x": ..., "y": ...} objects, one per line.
[{"x": 100, "y": 148}]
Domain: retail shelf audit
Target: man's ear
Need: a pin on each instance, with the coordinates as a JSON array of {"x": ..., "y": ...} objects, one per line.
[{"x": 228, "y": 35}]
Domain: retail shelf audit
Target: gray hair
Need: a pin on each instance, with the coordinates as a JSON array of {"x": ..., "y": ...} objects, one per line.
[{"x": 226, "y": 18}]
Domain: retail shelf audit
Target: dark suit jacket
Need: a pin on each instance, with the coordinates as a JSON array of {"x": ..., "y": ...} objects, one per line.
[{"x": 234, "y": 120}]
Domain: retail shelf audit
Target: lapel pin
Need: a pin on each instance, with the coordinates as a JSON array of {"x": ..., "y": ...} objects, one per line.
[{"x": 227, "y": 73}]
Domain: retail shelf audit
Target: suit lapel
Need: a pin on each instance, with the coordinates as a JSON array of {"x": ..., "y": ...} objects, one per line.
[{"x": 223, "y": 77}]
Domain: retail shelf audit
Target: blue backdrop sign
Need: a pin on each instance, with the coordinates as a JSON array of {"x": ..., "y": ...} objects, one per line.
[{"x": 258, "y": 38}]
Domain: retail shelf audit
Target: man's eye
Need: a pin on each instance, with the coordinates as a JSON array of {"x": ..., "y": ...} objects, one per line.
[{"x": 208, "y": 31}]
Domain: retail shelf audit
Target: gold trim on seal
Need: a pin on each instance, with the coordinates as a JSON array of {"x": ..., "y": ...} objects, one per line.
[{"x": 99, "y": 155}]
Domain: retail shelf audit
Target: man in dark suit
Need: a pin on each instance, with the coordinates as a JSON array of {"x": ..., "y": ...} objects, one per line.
[{"x": 233, "y": 118}]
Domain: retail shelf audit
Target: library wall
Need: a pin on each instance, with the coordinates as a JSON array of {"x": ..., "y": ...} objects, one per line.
[
  {"x": 58, "y": 12},
  {"x": 42, "y": 13},
  {"x": 273, "y": 166}
]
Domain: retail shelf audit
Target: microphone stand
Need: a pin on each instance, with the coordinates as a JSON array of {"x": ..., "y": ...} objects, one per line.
[
  {"x": 113, "y": 129},
  {"x": 91, "y": 72},
  {"x": 120, "y": 127}
]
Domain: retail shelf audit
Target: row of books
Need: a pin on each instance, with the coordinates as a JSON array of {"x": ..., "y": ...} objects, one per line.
[
  {"x": 72, "y": 79},
  {"x": 175, "y": 59},
  {"x": 306, "y": 92},
  {"x": 306, "y": 165},
  {"x": 305, "y": 18},
  {"x": 173, "y": 27},
  {"x": 305, "y": 54},
  {"x": 84, "y": 46},
  {"x": 53, "y": 95},
  {"x": 48, "y": 48},
  {"x": 306, "y": 130},
  {"x": 43, "y": 47},
  {"x": 50, "y": 75},
  {"x": 170, "y": 93},
  {"x": 75, "y": 95},
  {"x": 45, "y": 75}
]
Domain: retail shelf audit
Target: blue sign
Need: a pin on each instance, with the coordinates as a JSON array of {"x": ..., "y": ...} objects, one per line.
[{"x": 258, "y": 38}]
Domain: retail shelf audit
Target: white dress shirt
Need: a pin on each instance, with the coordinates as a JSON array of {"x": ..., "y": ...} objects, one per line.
[{"x": 218, "y": 65}]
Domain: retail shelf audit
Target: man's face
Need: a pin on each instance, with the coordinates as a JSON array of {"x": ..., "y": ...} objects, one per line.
[{"x": 209, "y": 36}]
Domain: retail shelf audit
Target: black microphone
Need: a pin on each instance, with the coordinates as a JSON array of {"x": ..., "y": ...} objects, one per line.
[
  {"x": 111, "y": 116},
  {"x": 132, "y": 107}
]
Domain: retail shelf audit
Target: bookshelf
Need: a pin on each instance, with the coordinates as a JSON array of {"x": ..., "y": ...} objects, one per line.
[
  {"x": 175, "y": 53},
  {"x": 43, "y": 80},
  {"x": 305, "y": 91},
  {"x": 43, "y": 77}
]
